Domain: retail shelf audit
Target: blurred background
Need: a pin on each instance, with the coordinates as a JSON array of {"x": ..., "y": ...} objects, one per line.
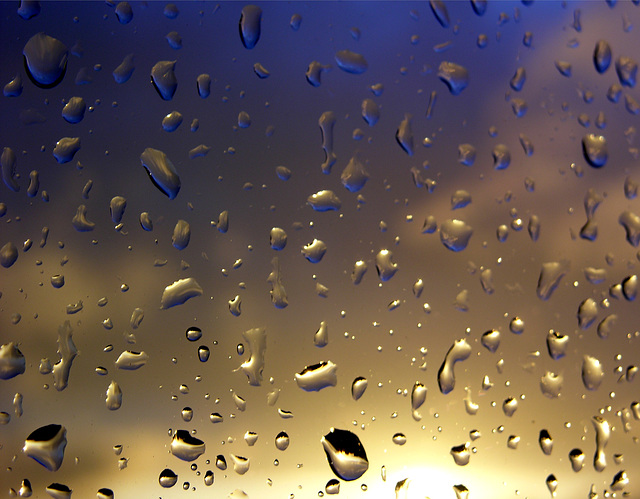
[{"x": 263, "y": 112}]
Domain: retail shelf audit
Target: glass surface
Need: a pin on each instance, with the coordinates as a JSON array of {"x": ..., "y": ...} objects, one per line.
[{"x": 388, "y": 248}]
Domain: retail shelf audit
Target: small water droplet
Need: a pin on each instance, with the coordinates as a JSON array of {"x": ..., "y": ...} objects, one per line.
[
  {"x": 186, "y": 447},
  {"x": 167, "y": 478},
  {"x": 455, "y": 76},
  {"x": 461, "y": 454}
]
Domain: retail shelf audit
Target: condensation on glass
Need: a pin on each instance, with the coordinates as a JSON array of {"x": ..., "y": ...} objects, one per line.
[{"x": 291, "y": 249}]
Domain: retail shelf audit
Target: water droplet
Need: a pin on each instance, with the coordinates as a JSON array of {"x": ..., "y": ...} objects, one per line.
[
  {"x": 278, "y": 293},
  {"x": 461, "y": 454},
  {"x": 161, "y": 171},
  {"x": 358, "y": 272},
  {"x": 509, "y": 406},
  {"x": 8, "y": 255},
  {"x": 181, "y": 235},
  {"x": 557, "y": 344},
  {"x": 179, "y": 292},
  {"x": 345, "y": 453},
  {"x": 46, "y": 446},
  {"x": 460, "y": 350},
  {"x": 282, "y": 441},
  {"x": 317, "y": 376},
  {"x": 630, "y": 287},
  {"x": 439, "y": 9},
  {"x": 370, "y": 111},
  {"x": 603, "y": 432},
  {"x": 518, "y": 79},
  {"x": 117, "y": 206},
  {"x": 354, "y": 176},
  {"x": 461, "y": 491},
  {"x": 550, "y": 276},
  {"x": 125, "y": 69},
  {"x": 45, "y": 60},
  {"x": 254, "y": 365},
  {"x": 455, "y": 234},
  {"x": 67, "y": 352},
  {"x": 66, "y": 148},
  {"x": 460, "y": 199},
  {"x": 314, "y": 251},
  {"x": 174, "y": 40},
  {"x": 631, "y": 223},
  {"x": 58, "y": 491},
  {"x": 466, "y": 154},
  {"x": 564, "y": 68},
  {"x": 73, "y": 111},
  {"x": 28, "y": 9},
  {"x": 208, "y": 478},
  {"x": 167, "y": 478},
  {"x": 587, "y": 313},
  {"x": 595, "y": 150},
  {"x": 627, "y": 70},
  {"x": 384, "y": 265},
  {"x": 551, "y": 384},
  {"x": 130, "y": 361},
  {"x": 602, "y": 56},
  {"x": 164, "y": 79},
  {"x": 324, "y": 201},
  {"x": 358, "y": 387},
  {"x": 25, "y": 489},
  {"x": 491, "y": 340},
  {"x": 250, "y": 21},
  {"x": 404, "y": 135},
  {"x": 351, "y": 62},
  {"x": 418, "y": 397},
  {"x": 455, "y": 76},
  {"x": 114, "y": 396},
  {"x": 221, "y": 462},
  {"x": 576, "y": 456},
  {"x": 399, "y": 439},
  {"x": 172, "y": 121},
  {"x": 314, "y": 73},
  {"x": 124, "y": 12},
  {"x": 186, "y": 447},
  {"x": 620, "y": 481},
  {"x": 592, "y": 372},
  {"x": 321, "y": 337}
]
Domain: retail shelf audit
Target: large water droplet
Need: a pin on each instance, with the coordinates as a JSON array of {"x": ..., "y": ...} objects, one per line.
[
  {"x": 576, "y": 456},
  {"x": 491, "y": 340},
  {"x": 314, "y": 251},
  {"x": 181, "y": 235},
  {"x": 114, "y": 396},
  {"x": 550, "y": 276},
  {"x": 603, "y": 431},
  {"x": 167, "y": 478},
  {"x": 404, "y": 135},
  {"x": 602, "y": 56},
  {"x": 130, "y": 361},
  {"x": 282, "y": 441},
  {"x": 358, "y": 387},
  {"x": 345, "y": 453},
  {"x": 164, "y": 79},
  {"x": 250, "y": 21},
  {"x": 551, "y": 384},
  {"x": 66, "y": 148},
  {"x": 546, "y": 442},
  {"x": 439, "y": 9},
  {"x": 161, "y": 171},
  {"x": 461, "y": 454},
  {"x": 455, "y": 234},
  {"x": 179, "y": 292},
  {"x": 12, "y": 361},
  {"x": 627, "y": 70},
  {"x": 455, "y": 76},
  {"x": 384, "y": 265},
  {"x": 557, "y": 344},
  {"x": 324, "y": 201},
  {"x": 256, "y": 338},
  {"x": 354, "y": 176},
  {"x": 501, "y": 157},
  {"x": 595, "y": 150},
  {"x": 125, "y": 69},
  {"x": 592, "y": 372},
  {"x": 186, "y": 447},
  {"x": 351, "y": 62},
  {"x": 318, "y": 376},
  {"x": 45, "y": 60},
  {"x": 587, "y": 313},
  {"x": 46, "y": 445}
]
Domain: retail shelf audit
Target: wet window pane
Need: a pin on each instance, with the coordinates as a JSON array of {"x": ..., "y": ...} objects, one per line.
[{"x": 299, "y": 249}]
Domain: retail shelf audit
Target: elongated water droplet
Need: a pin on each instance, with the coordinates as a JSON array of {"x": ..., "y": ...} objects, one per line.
[
  {"x": 358, "y": 387},
  {"x": 321, "y": 337},
  {"x": 318, "y": 376},
  {"x": 164, "y": 79},
  {"x": 518, "y": 79},
  {"x": 351, "y": 62},
  {"x": 161, "y": 171},
  {"x": 256, "y": 339},
  {"x": 114, "y": 396},
  {"x": 557, "y": 344},
  {"x": 46, "y": 446},
  {"x": 546, "y": 442},
  {"x": 250, "y": 25},
  {"x": 179, "y": 292},
  {"x": 404, "y": 135},
  {"x": 592, "y": 372},
  {"x": 418, "y": 397},
  {"x": 58, "y": 491},
  {"x": 278, "y": 293},
  {"x": 603, "y": 432},
  {"x": 460, "y": 350},
  {"x": 172, "y": 121},
  {"x": 66, "y": 148},
  {"x": 587, "y": 313},
  {"x": 125, "y": 70},
  {"x": 602, "y": 56},
  {"x": 385, "y": 266},
  {"x": 73, "y": 111},
  {"x": 131, "y": 361},
  {"x": 501, "y": 157},
  {"x": 345, "y": 454},
  {"x": 67, "y": 352},
  {"x": 550, "y": 276},
  {"x": 627, "y": 70},
  {"x": 324, "y": 201},
  {"x": 181, "y": 235},
  {"x": 358, "y": 272},
  {"x": 631, "y": 223}
]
